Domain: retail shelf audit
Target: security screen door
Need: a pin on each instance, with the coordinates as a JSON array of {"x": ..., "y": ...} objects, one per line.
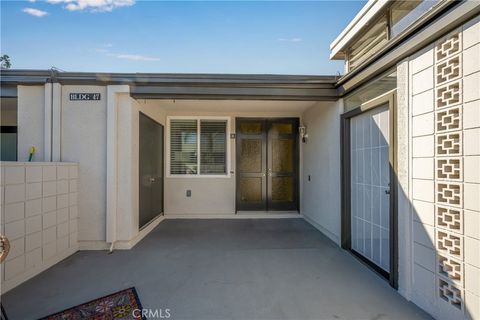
[
  {"x": 370, "y": 185},
  {"x": 150, "y": 169},
  {"x": 267, "y": 164}
]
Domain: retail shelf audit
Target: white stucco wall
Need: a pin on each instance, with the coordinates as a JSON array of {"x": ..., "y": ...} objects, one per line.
[
  {"x": 210, "y": 196},
  {"x": 83, "y": 140},
  {"x": 216, "y": 196},
  {"x": 441, "y": 272},
  {"x": 78, "y": 132},
  {"x": 31, "y": 110},
  {"x": 404, "y": 211},
  {"x": 321, "y": 201},
  {"x": 128, "y": 162}
]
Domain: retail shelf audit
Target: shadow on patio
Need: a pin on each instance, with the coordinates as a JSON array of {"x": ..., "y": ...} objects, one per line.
[{"x": 221, "y": 269}]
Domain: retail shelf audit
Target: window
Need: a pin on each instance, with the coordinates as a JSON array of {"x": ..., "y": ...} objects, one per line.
[
  {"x": 370, "y": 43},
  {"x": 371, "y": 90},
  {"x": 8, "y": 129},
  {"x": 404, "y": 13},
  {"x": 183, "y": 147},
  {"x": 213, "y": 146},
  {"x": 390, "y": 24},
  {"x": 198, "y": 146}
]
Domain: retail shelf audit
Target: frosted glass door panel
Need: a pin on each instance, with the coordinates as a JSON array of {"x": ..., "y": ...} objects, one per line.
[{"x": 370, "y": 185}]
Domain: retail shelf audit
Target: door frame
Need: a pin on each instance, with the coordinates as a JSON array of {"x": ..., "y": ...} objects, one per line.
[
  {"x": 346, "y": 236},
  {"x": 266, "y": 123},
  {"x": 140, "y": 113}
]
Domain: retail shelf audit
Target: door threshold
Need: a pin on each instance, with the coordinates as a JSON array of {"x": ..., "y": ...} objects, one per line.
[
  {"x": 268, "y": 214},
  {"x": 238, "y": 215}
]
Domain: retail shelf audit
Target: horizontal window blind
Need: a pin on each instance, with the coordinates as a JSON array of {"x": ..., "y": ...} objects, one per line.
[
  {"x": 213, "y": 147},
  {"x": 198, "y": 147},
  {"x": 183, "y": 147}
]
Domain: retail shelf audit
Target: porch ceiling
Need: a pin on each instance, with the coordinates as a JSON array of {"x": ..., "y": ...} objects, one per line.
[
  {"x": 236, "y": 87},
  {"x": 235, "y": 106},
  {"x": 238, "y": 91}
]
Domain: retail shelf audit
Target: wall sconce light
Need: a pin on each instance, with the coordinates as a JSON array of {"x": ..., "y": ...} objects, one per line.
[{"x": 303, "y": 134}]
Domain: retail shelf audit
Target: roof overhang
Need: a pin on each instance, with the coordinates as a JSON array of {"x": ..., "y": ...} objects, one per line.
[
  {"x": 309, "y": 91},
  {"x": 414, "y": 40},
  {"x": 190, "y": 86},
  {"x": 362, "y": 19}
]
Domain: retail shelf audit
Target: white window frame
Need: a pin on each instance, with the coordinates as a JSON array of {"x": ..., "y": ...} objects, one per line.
[{"x": 198, "y": 174}]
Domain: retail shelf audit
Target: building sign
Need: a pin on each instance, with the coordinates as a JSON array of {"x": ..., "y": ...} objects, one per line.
[{"x": 84, "y": 96}]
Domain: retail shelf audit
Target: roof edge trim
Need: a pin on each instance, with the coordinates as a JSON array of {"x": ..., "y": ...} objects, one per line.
[{"x": 362, "y": 19}]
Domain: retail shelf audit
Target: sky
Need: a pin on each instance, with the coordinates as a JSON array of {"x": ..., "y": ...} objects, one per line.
[{"x": 259, "y": 37}]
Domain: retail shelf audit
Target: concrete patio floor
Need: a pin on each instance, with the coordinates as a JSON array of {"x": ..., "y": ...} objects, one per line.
[{"x": 221, "y": 269}]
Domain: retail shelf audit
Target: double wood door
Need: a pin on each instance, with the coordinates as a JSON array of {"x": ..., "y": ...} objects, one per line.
[{"x": 267, "y": 164}]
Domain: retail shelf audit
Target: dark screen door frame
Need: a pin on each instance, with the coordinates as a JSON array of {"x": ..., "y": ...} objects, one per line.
[
  {"x": 346, "y": 232},
  {"x": 162, "y": 171}
]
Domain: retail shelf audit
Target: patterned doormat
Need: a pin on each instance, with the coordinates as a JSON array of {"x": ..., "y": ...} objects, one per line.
[{"x": 119, "y": 305}]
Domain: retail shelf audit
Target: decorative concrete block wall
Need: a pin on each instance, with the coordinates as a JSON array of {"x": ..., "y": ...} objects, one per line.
[
  {"x": 445, "y": 172},
  {"x": 39, "y": 215}
]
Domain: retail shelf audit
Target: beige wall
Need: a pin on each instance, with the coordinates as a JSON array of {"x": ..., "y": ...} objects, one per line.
[
  {"x": 128, "y": 161},
  {"x": 210, "y": 196},
  {"x": 216, "y": 196},
  {"x": 321, "y": 161},
  {"x": 83, "y": 140},
  {"x": 31, "y": 110}
]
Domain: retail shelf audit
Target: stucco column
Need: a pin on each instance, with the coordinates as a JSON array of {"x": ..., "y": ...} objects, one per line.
[
  {"x": 112, "y": 160},
  {"x": 403, "y": 164}
]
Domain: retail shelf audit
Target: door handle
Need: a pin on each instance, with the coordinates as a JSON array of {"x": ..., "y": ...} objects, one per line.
[
  {"x": 269, "y": 172},
  {"x": 152, "y": 179},
  {"x": 387, "y": 191}
]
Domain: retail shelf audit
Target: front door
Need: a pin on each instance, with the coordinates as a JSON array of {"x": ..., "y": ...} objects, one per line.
[
  {"x": 267, "y": 164},
  {"x": 150, "y": 169}
]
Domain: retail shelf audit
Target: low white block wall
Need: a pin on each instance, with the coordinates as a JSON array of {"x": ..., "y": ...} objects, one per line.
[{"x": 39, "y": 215}]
